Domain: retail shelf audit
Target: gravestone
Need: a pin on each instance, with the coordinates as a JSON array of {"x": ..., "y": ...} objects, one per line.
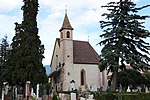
[
  {"x": 81, "y": 98},
  {"x": 146, "y": 89},
  {"x": 139, "y": 88},
  {"x": 128, "y": 90},
  {"x": 73, "y": 96},
  {"x": 90, "y": 97},
  {"x": 3, "y": 92},
  {"x": 27, "y": 90},
  {"x": 37, "y": 91}
]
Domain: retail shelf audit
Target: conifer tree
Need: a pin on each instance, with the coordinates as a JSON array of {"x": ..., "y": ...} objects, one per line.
[
  {"x": 25, "y": 60},
  {"x": 4, "y": 50},
  {"x": 123, "y": 38}
]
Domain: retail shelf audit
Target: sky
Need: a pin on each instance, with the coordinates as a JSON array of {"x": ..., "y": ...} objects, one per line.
[{"x": 84, "y": 16}]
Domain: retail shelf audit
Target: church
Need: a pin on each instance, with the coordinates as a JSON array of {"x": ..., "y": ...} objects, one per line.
[{"x": 74, "y": 63}]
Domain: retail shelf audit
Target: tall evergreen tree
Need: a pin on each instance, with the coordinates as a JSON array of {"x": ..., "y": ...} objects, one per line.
[
  {"x": 4, "y": 50},
  {"x": 25, "y": 59},
  {"x": 124, "y": 38}
]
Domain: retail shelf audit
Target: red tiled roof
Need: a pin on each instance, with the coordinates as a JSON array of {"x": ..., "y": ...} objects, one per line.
[{"x": 83, "y": 53}]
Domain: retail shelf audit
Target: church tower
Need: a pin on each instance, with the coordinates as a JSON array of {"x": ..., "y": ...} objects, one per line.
[
  {"x": 66, "y": 48},
  {"x": 66, "y": 39}
]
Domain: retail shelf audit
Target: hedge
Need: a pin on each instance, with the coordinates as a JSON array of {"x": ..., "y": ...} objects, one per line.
[{"x": 121, "y": 96}]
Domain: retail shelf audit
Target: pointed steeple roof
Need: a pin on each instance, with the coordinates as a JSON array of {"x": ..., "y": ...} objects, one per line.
[{"x": 66, "y": 23}]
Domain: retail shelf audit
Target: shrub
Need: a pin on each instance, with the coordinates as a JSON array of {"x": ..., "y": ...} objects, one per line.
[
  {"x": 33, "y": 98},
  {"x": 55, "y": 96},
  {"x": 109, "y": 96},
  {"x": 124, "y": 96},
  {"x": 104, "y": 96}
]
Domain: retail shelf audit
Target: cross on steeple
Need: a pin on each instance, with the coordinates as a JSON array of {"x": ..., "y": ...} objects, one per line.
[{"x": 65, "y": 9}]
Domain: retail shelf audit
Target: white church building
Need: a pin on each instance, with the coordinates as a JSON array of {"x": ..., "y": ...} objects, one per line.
[{"x": 74, "y": 63}]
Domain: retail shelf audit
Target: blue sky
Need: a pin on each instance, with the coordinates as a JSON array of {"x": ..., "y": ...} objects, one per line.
[{"x": 84, "y": 16}]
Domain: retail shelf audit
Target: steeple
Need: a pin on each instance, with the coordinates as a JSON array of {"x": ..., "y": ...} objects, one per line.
[{"x": 66, "y": 23}]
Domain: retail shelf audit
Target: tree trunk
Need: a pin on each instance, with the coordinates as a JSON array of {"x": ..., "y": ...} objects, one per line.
[{"x": 114, "y": 79}]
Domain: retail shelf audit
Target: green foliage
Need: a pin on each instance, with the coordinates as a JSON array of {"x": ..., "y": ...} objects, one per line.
[
  {"x": 10, "y": 95},
  {"x": 110, "y": 96},
  {"x": 4, "y": 51},
  {"x": 124, "y": 96},
  {"x": 47, "y": 87},
  {"x": 135, "y": 96},
  {"x": 55, "y": 96},
  {"x": 44, "y": 89},
  {"x": 131, "y": 77},
  {"x": 123, "y": 37},
  {"x": 130, "y": 97},
  {"x": 105, "y": 96},
  {"x": 33, "y": 98},
  {"x": 25, "y": 59},
  {"x": 147, "y": 77}
]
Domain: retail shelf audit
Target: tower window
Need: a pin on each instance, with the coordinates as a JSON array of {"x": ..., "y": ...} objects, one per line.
[
  {"x": 83, "y": 78},
  {"x": 68, "y": 34},
  {"x": 61, "y": 35}
]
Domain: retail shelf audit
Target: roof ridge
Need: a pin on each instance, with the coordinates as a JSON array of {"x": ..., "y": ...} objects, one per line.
[{"x": 80, "y": 41}]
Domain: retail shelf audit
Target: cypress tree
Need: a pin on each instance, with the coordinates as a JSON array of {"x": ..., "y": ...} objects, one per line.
[
  {"x": 4, "y": 50},
  {"x": 124, "y": 38},
  {"x": 25, "y": 60}
]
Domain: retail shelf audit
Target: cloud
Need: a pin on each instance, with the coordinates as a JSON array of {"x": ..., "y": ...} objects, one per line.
[
  {"x": 84, "y": 16},
  {"x": 49, "y": 31},
  {"x": 9, "y": 5},
  {"x": 7, "y": 26}
]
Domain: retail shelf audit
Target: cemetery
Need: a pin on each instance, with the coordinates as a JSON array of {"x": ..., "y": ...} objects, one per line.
[
  {"x": 78, "y": 72},
  {"x": 88, "y": 94}
]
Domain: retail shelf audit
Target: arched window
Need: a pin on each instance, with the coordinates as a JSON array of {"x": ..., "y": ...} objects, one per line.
[
  {"x": 68, "y": 34},
  {"x": 83, "y": 77},
  {"x": 61, "y": 35}
]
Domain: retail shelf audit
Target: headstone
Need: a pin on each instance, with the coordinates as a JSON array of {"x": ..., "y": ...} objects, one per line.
[
  {"x": 60, "y": 95},
  {"x": 128, "y": 90},
  {"x": 88, "y": 87},
  {"x": 73, "y": 96},
  {"x": 6, "y": 89},
  {"x": 16, "y": 92},
  {"x": 37, "y": 92},
  {"x": 90, "y": 97},
  {"x": 3, "y": 94},
  {"x": 139, "y": 88},
  {"x": 27, "y": 90},
  {"x": 94, "y": 88},
  {"x": 146, "y": 89},
  {"x": 91, "y": 88},
  {"x": 32, "y": 93},
  {"x": 81, "y": 98},
  {"x": 120, "y": 88}
]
